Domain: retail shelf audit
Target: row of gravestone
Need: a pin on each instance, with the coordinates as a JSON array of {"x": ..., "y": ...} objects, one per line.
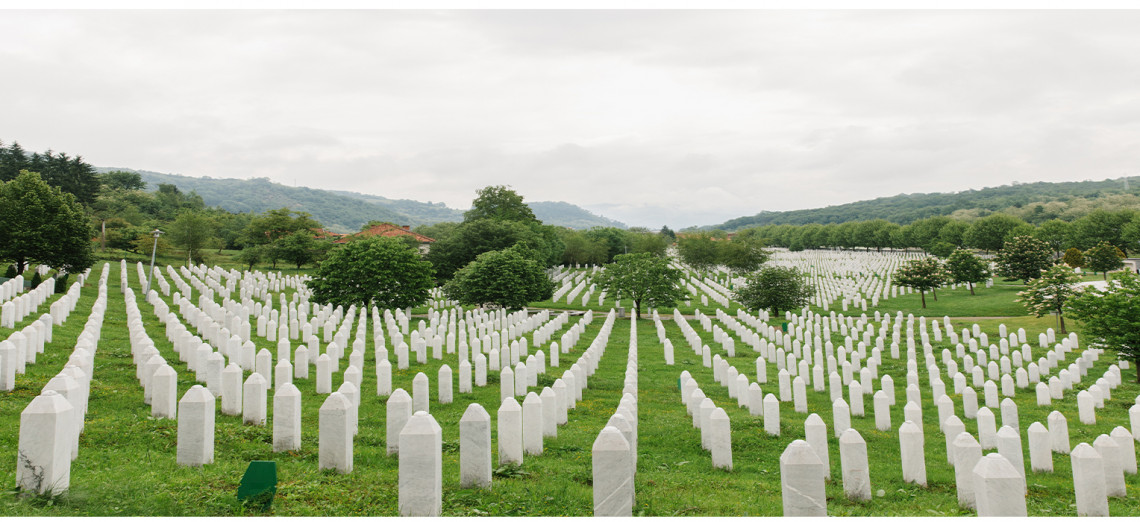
[
  {"x": 911, "y": 438},
  {"x": 614, "y": 452},
  {"x": 51, "y": 423},
  {"x": 411, "y": 435}
]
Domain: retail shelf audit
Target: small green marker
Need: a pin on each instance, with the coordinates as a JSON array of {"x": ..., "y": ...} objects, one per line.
[{"x": 259, "y": 484}]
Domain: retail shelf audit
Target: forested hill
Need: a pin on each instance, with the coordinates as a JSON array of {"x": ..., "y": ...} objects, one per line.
[
  {"x": 342, "y": 211},
  {"x": 1034, "y": 202}
]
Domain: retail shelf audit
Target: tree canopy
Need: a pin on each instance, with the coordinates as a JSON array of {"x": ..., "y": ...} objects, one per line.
[
  {"x": 644, "y": 278},
  {"x": 775, "y": 288},
  {"x": 192, "y": 231},
  {"x": 1050, "y": 292},
  {"x": 509, "y": 278},
  {"x": 376, "y": 271},
  {"x": 499, "y": 202},
  {"x": 43, "y": 224},
  {"x": 1112, "y": 315},
  {"x": 1104, "y": 257},
  {"x": 963, "y": 266},
  {"x": 1024, "y": 257},
  {"x": 922, "y": 275}
]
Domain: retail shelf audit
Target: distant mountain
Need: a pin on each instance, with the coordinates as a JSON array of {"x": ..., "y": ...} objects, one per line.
[
  {"x": 419, "y": 212},
  {"x": 557, "y": 213},
  {"x": 1033, "y": 202},
  {"x": 344, "y": 211},
  {"x": 566, "y": 215}
]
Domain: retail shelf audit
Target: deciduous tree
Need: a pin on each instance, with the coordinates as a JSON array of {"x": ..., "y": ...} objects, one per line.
[
  {"x": 922, "y": 275},
  {"x": 42, "y": 224},
  {"x": 509, "y": 278},
  {"x": 192, "y": 232},
  {"x": 1048, "y": 293},
  {"x": 1104, "y": 257},
  {"x": 644, "y": 278},
  {"x": 501, "y": 203},
  {"x": 1024, "y": 257},
  {"x": 377, "y": 271},
  {"x": 775, "y": 288},
  {"x": 965, "y": 267},
  {"x": 1112, "y": 315},
  {"x": 1074, "y": 258}
]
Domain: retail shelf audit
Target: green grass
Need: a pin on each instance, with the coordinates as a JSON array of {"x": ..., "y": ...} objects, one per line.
[
  {"x": 997, "y": 301},
  {"x": 126, "y": 465}
]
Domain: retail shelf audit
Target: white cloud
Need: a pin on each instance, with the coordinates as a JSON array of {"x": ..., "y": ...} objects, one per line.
[{"x": 649, "y": 117}]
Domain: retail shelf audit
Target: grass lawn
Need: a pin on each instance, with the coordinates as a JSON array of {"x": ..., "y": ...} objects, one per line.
[{"x": 126, "y": 464}]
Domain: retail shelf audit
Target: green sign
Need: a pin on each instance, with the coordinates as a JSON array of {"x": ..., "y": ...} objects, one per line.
[{"x": 259, "y": 484}]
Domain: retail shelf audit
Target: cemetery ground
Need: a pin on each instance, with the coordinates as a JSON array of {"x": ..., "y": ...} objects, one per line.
[{"x": 126, "y": 464}]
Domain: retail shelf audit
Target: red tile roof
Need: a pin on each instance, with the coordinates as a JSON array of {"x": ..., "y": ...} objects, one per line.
[{"x": 387, "y": 230}]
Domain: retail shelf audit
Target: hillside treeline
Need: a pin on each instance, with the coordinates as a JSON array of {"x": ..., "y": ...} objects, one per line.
[
  {"x": 1034, "y": 203},
  {"x": 940, "y": 235}
]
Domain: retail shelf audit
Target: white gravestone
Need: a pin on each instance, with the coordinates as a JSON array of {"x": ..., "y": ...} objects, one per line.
[
  {"x": 475, "y": 448},
  {"x": 335, "y": 434},
  {"x": 802, "y": 481},
  {"x": 287, "y": 418},
  {"x": 196, "y": 427},
  {"x": 421, "y": 466},
  {"x": 853, "y": 460},
  {"x": 999, "y": 490}
]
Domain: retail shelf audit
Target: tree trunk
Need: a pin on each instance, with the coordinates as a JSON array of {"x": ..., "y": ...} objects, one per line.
[
  {"x": 1062, "y": 318},
  {"x": 637, "y": 308},
  {"x": 935, "y": 292},
  {"x": 971, "y": 287},
  {"x": 923, "y": 294}
]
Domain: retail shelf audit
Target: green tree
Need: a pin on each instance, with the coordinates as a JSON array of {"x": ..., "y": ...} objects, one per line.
[
  {"x": 192, "y": 232},
  {"x": 272, "y": 225},
  {"x": 922, "y": 275},
  {"x": 1112, "y": 314},
  {"x": 1024, "y": 257},
  {"x": 954, "y": 233},
  {"x": 1074, "y": 258},
  {"x": 251, "y": 255},
  {"x": 741, "y": 255},
  {"x": 1048, "y": 293},
  {"x": 122, "y": 180},
  {"x": 580, "y": 249},
  {"x": 485, "y": 235},
  {"x": 44, "y": 225},
  {"x": 437, "y": 231},
  {"x": 941, "y": 249},
  {"x": 668, "y": 234},
  {"x": 376, "y": 271},
  {"x": 1130, "y": 234},
  {"x": 775, "y": 288},
  {"x": 646, "y": 241},
  {"x": 644, "y": 278},
  {"x": 1104, "y": 257},
  {"x": 699, "y": 251},
  {"x": 509, "y": 278},
  {"x": 499, "y": 202},
  {"x": 989, "y": 233},
  {"x": 923, "y": 233},
  {"x": 1053, "y": 232},
  {"x": 300, "y": 248},
  {"x": 965, "y": 267},
  {"x": 616, "y": 240},
  {"x": 1102, "y": 226}
]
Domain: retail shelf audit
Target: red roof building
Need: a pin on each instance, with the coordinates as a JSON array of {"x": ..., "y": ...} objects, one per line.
[{"x": 390, "y": 230}]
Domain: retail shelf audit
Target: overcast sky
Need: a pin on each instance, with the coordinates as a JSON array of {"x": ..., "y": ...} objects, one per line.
[{"x": 649, "y": 117}]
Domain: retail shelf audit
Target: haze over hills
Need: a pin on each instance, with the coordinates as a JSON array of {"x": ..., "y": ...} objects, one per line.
[
  {"x": 1034, "y": 202},
  {"x": 343, "y": 211}
]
